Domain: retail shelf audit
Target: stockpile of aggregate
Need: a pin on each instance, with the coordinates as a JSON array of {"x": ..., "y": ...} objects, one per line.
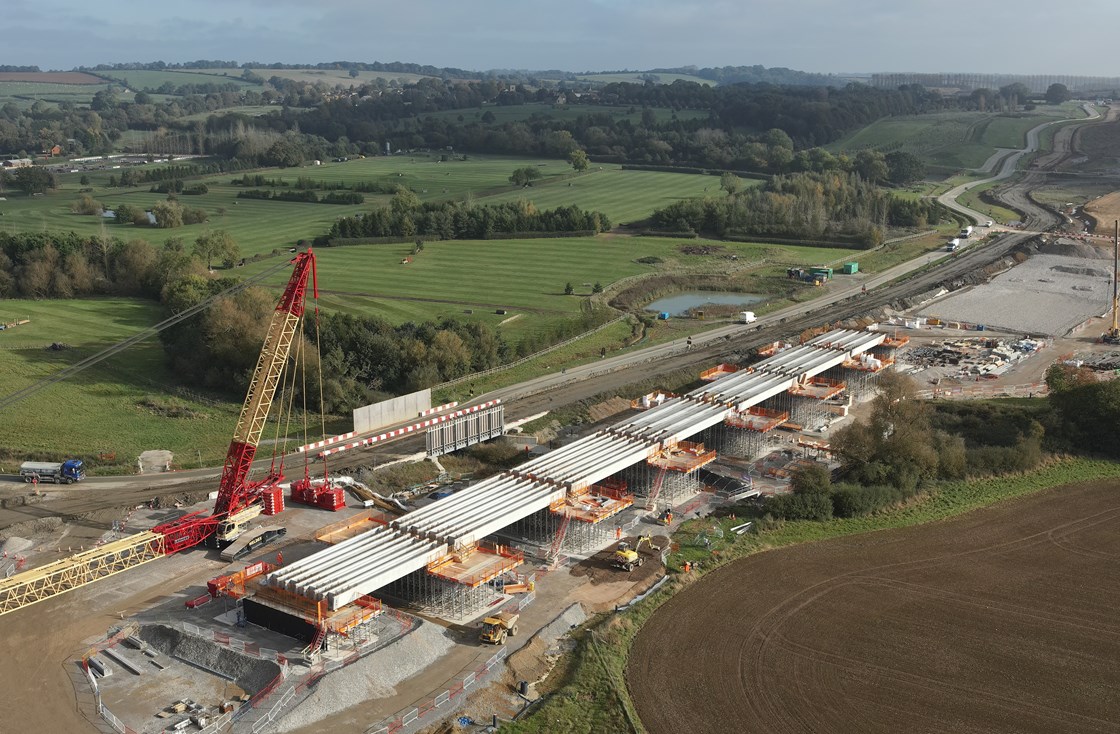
[
  {"x": 373, "y": 676},
  {"x": 250, "y": 673}
]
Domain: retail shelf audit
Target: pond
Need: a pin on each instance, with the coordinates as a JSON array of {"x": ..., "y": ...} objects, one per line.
[{"x": 680, "y": 303}]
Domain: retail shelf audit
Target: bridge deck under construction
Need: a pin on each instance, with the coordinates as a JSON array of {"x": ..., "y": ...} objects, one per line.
[{"x": 367, "y": 562}]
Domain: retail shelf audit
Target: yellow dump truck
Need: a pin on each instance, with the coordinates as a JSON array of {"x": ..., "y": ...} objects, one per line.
[{"x": 495, "y": 629}]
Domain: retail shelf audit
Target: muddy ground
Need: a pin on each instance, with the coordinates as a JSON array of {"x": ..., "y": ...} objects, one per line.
[
  {"x": 600, "y": 568},
  {"x": 1001, "y": 620}
]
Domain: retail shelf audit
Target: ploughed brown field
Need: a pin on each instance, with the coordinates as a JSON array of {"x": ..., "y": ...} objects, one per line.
[
  {"x": 50, "y": 77},
  {"x": 1005, "y": 619}
]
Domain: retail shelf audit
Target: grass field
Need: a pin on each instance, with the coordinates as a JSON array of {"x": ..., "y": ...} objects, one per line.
[
  {"x": 143, "y": 79},
  {"x": 526, "y": 278},
  {"x": 99, "y": 410},
  {"x": 259, "y": 226},
  {"x": 951, "y": 139},
  {"x": 999, "y": 214},
  {"x": 29, "y": 92},
  {"x": 637, "y": 78},
  {"x": 624, "y": 196}
]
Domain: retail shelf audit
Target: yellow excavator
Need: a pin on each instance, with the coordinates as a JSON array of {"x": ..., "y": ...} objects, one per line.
[{"x": 628, "y": 558}]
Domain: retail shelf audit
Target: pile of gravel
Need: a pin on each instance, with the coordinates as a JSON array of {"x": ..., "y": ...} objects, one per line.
[
  {"x": 373, "y": 676},
  {"x": 249, "y": 673}
]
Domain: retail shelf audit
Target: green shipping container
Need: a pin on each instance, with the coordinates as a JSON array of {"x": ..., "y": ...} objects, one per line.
[{"x": 851, "y": 268}]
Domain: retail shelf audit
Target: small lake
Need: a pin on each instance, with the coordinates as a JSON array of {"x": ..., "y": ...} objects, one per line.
[{"x": 678, "y": 304}]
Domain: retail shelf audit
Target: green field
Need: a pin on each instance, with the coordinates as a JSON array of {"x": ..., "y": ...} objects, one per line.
[
  {"x": 952, "y": 140},
  {"x": 336, "y": 77},
  {"x": 624, "y": 196},
  {"x": 637, "y": 78},
  {"x": 99, "y": 410},
  {"x": 259, "y": 226},
  {"x": 29, "y": 92},
  {"x": 526, "y": 278},
  {"x": 140, "y": 79}
]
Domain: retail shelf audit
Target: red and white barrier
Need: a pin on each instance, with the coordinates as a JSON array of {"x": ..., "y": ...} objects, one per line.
[
  {"x": 327, "y": 442},
  {"x": 440, "y": 409},
  {"x": 409, "y": 429}
]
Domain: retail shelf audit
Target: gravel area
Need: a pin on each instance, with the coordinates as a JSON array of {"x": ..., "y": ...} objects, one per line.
[
  {"x": 1048, "y": 294},
  {"x": 15, "y": 544},
  {"x": 374, "y": 676},
  {"x": 249, "y": 673}
]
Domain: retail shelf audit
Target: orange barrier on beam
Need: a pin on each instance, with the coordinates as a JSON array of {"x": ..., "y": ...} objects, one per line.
[
  {"x": 876, "y": 365},
  {"x": 684, "y": 456},
  {"x": 481, "y": 564},
  {"x": 895, "y": 341},
  {"x": 312, "y": 610},
  {"x": 339, "y": 531},
  {"x": 723, "y": 369},
  {"x": 756, "y": 418},
  {"x": 821, "y": 388},
  {"x": 364, "y": 609}
]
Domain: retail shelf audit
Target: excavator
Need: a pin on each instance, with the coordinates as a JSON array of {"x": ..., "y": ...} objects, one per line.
[{"x": 628, "y": 558}]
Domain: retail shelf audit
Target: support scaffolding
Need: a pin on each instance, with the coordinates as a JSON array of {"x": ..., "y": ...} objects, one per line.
[
  {"x": 749, "y": 433},
  {"x": 439, "y": 597},
  {"x": 682, "y": 463},
  {"x": 586, "y": 512},
  {"x": 808, "y": 407}
]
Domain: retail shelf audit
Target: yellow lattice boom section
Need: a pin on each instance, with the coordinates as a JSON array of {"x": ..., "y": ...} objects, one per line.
[
  {"x": 78, "y": 570},
  {"x": 266, "y": 377}
]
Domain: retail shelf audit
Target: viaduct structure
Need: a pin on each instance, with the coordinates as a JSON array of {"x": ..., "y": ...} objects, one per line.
[{"x": 437, "y": 554}]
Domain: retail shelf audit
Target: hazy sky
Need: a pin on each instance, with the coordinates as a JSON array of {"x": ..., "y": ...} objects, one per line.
[{"x": 1014, "y": 36}]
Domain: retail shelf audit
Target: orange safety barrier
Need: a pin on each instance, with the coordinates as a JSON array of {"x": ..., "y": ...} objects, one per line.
[
  {"x": 312, "y": 610},
  {"x": 720, "y": 370}
]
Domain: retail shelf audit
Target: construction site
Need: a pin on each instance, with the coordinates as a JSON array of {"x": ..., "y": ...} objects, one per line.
[{"x": 264, "y": 600}]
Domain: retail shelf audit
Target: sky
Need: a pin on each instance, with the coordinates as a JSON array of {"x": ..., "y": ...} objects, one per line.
[{"x": 1012, "y": 36}]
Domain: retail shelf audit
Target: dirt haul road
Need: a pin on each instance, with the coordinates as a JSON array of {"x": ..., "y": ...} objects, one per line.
[{"x": 1001, "y": 620}]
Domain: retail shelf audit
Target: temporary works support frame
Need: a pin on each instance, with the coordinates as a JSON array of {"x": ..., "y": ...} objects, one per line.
[{"x": 78, "y": 570}]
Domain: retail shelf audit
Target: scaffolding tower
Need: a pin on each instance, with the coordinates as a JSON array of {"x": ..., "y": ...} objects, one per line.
[
  {"x": 808, "y": 407},
  {"x": 749, "y": 433},
  {"x": 459, "y": 584},
  {"x": 585, "y": 513},
  {"x": 681, "y": 464}
]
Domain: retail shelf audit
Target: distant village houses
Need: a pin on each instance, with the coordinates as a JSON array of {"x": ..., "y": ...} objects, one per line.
[{"x": 18, "y": 163}]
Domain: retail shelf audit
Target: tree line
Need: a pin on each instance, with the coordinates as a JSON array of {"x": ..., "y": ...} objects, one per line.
[
  {"x": 811, "y": 206},
  {"x": 906, "y": 446},
  {"x": 407, "y": 216}
]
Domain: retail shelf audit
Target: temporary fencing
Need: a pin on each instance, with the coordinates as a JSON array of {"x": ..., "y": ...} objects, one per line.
[
  {"x": 453, "y": 694},
  {"x": 981, "y": 390}
]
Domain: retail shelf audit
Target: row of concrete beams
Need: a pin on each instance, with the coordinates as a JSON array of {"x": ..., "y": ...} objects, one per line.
[
  {"x": 744, "y": 389},
  {"x": 846, "y": 340},
  {"x": 342, "y": 573},
  {"x": 672, "y": 421},
  {"x": 374, "y": 559},
  {"x": 473, "y": 513},
  {"x": 584, "y": 462}
]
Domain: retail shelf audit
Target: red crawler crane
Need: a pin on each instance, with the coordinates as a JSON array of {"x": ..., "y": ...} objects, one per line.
[{"x": 235, "y": 495}]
